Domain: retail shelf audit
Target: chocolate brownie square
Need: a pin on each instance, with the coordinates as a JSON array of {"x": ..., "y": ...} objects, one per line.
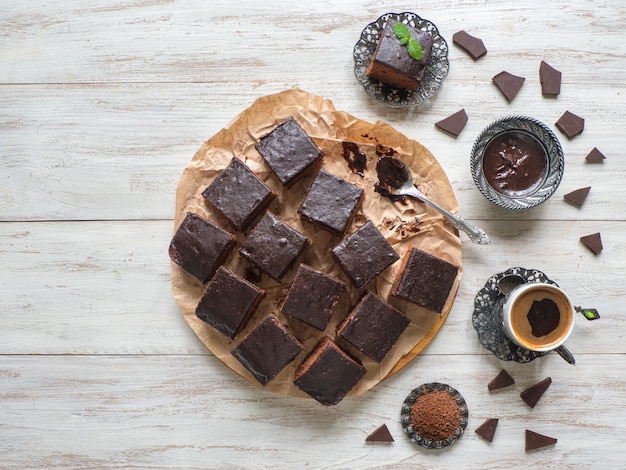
[
  {"x": 238, "y": 194},
  {"x": 330, "y": 202},
  {"x": 199, "y": 246},
  {"x": 289, "y": 151},
  {"x": 373, "y": 326},
  {"x": 425, "y": 280},
  {"x": 267, "y": 349},
  {"x": 228, "y": 302},
  {"x": 328, "y": 373},
  {"x": 364, "y": 254},
  {"x": 273, "y": 246},
  {"x": 312, "y": 297}
]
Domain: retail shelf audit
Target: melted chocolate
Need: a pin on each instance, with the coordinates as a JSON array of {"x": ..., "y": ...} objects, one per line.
[
  {"x": 543, "y": 317},
  {"x": 391, "y": 172},
  {"x": 357, "y": 161},
  {"x": 514, "y": 163},
  {"x": 385, "y": 150}
]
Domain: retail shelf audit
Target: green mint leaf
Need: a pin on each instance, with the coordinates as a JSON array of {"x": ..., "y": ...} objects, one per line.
[
  {"x": 402, "y": 32},
  {"x": 415, "y": 49}
]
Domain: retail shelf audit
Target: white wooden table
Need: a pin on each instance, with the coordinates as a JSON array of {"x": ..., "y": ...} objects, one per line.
[{"x": 103, "y": 103}]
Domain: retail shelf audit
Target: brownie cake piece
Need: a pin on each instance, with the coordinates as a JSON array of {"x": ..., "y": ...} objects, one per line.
[
  {"x": 200, "y": 247},
  {"x": 364, "y": 254},
  {"x": 373, "y": 326},
  {"x": 289, "y": 151},
  {"x": 425, "y": 280},
  {"x": 328, "y": 373},
  {"x": 330, "y": 202},
  {"x": 312, "y": 297},
  {"x": 267, "y": 349},
  {"x": 391, "y": 62},
  {"x": 238, "y": 194},
  {"x": 273, "y": 246},
  {"x": 228, "y": 302}
]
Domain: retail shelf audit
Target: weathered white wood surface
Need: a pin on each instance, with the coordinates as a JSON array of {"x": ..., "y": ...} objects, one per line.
[{"x": 103, "y": 105}]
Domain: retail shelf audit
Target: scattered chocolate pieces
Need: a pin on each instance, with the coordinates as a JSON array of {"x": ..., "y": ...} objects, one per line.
[
  {"x": 488, "y": 429},
  {"x": 593, "y": 242},
  {"x": 508, "y": 84},
  {"x": 454, "y": 123},
  {"x": 503, "y": 379},
  {"x": 550, "y": 79},
  {"x": 595, "y": 156},
  {"x": 470, "y": 44},
  {"x": 578, "y": 196},
  {"x": 570, "y": 124},
  {"x": 380, "y": 434},
  {"x": 532, "y": 394},
  {"x": 535, "y": 440}
]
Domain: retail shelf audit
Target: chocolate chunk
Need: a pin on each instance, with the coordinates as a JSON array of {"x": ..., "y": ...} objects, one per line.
[
  {"x": 535, "y": 440},
  {"x": 578, "y": 196},
  {"x": 508, "y": 84},
  {"x": 570, "y": 124},
  {"x": 470, "y": 44},
  {"x": 593, "y": 242},
  {"x": 488, "y": 429},
  {"x": 550, "y": 79},
  {"x": 532, "y": 394},
  {"x": 454, "y": 123},
  {"x": 595, "y": 156},
  {"x": 503, "y": 379},
  {"x": 380, "y": 434}
]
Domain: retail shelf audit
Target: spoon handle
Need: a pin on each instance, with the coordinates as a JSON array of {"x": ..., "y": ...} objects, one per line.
[
  {"x": 566, "y": 354},
  {"x": 475, "y": 234}
]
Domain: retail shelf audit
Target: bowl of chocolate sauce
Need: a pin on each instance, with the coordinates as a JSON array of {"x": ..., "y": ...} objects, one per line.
[{"x": 517, "y": 162}]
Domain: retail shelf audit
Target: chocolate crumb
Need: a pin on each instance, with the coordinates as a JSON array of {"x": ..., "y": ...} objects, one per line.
[
  {"x": 595, "y": 156},
  {"x": 472, "y": 45},
  {"x": 593, "y": 242},
  {"x": 454, "y": 123},
  {"x": 578, "y": 196},
  {"x": 550, "y": 79},
  {"x": 508, "y": 84},
  {"x": 570, "y": 124},
  {"x": 532, "y": 394}
]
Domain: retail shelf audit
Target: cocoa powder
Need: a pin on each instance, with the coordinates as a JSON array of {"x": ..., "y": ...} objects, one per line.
[{"x": 435, "y": 415}]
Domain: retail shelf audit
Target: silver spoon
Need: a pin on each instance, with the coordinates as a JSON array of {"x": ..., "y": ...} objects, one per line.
[{"x": 396, "y": 178}]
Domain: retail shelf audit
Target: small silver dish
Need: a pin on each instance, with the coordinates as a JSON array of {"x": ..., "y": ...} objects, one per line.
[{"x": 533, "y": 132}]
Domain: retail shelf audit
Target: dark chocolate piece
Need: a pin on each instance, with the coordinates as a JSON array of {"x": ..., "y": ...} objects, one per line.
[
  {"x": 273, "y": 246},
  {"x": 578, "y": 196},
  {"x": 331, "y": 202},
  {"x": 425, "y": 280},
  {"x": 391, "y": 62},
  {"x": 532, "y": 394},
  {"x": 570, "y": 124},
  {"x": 267, "y": 349},
  {"x": 228, "y": 302},
  {"x": 312, "y": 297},
  {"x": 535, "y": 441},
  {"x": 550, "y": 79},
  {"x": 508, "y": 84},
  {"x": 470, "y": 44},
  {"x": 503, "y": 379},
  {"x": 595, "y": 156},
  {"x": 364, "y": 254},
  {"x": 288, "y": 151},
  {"x": 238, "y": 194},
  {"x": 200, "y": 247},
  {"x": 454, "y": 123},
  {"x": 593, "y": 242},
  {"x": 380, "y": 434},
  {"x": 488, "y": 429},
  {"x": 373, "y": 326},
  {"x": 328, "y": 373}
]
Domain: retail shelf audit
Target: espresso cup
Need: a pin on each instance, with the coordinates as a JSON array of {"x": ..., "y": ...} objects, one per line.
[{"x": 538, "y": 316}]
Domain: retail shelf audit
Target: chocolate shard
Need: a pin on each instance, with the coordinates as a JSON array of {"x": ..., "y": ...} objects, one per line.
[
  {"x": 503, "y": 379},
  {"x": 380, "y": 434},
  {"x": 488, "y": 429},
  {"x": 550, "y": 79},
  {"x": 532, "y": 394},
  {"x": 593, "y": 242},
  {"x": 570, "y": 124},
  {"x": 454, "y": 123},
  {"x": 470, "y": 44},
  {"x": 578, "y": 196},
  {"x": 595, "y": 156},
  {"x": 508, "y": 84},
  {"x": 534, "y": 440}
]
